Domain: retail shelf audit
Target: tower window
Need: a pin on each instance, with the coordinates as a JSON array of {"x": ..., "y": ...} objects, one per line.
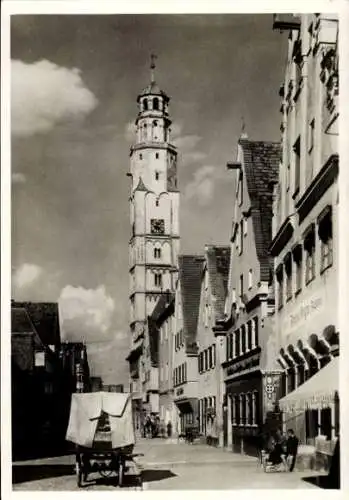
[
  {"x": 157, "y": 203},
  {"x": 140, "y": 156},
  {"x": 145, "y": 104},
  {"x": 157, "y": 156},
  {"x": 158, "y": 280},
  {"x": 157, "y": 253},
  {"x": 155, "y": 103},
  {"x": 156, "y": 176}
]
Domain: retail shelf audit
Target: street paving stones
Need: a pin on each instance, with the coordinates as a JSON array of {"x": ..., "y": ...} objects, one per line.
[{"x": 164, "y": 466}]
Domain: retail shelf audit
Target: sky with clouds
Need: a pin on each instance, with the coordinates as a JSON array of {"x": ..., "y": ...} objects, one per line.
[{"x": 74, "y": 84}]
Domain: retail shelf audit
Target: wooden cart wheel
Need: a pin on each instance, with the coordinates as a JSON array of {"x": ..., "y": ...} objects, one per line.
[
  {"x": 121, "y": 473},
  {"x": 78, "y": 470}
]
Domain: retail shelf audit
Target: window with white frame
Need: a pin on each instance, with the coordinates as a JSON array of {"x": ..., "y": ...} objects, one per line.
[
  {"x": 233, "y": 296},
  {"x": 228, "y": 347},
  {"x": 205, "y": 360},
  {"x": 243, "y": 339},
  {"x": 157, "y": 253},
  {"x": 158, "y": 280},
  {"x": 249, "y": 335},
  {"x": 250, "y": 279},
  {"x": 256, "y": 330},
  {"x": 326, "y": 239},
  {"x": 214, "y": 354},
  {"x": 297, "y": 164},
  {"x": 241, "y": 286},
  {"x": 237, "y": 342},
  {"x": 232, "y": 340},
  {"x": 309, "y": 247}
]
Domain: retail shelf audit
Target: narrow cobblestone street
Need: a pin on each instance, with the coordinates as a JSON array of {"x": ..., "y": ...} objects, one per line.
[{"x": 164, "y": 466}]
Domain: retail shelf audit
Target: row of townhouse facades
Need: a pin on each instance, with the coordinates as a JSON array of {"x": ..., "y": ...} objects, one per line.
[{"x": 247, "y": 338}]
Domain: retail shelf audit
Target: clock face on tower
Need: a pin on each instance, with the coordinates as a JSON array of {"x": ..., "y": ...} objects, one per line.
[{"x": 157, "y": 226}]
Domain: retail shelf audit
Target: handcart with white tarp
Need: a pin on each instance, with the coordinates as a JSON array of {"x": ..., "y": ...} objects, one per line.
[{"x": 101, "y": 427}]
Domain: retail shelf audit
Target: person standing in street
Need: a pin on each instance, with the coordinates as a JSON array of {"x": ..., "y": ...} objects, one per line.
[{"x": 291, "y": 448}]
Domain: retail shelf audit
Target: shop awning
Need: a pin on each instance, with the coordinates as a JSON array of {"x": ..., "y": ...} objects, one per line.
[
  {"x": 187, "y": 405},
  {"x": 316, "y": 393}
]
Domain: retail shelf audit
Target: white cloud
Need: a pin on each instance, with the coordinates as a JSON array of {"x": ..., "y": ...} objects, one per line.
[
  {"x": 193, "y": 157},
  {"x": 130, "y": 131},
  {"x": 176, "y": 130},
  {"x": 186, "y": 142},
  {"x": 18, "y": 178},
  {"x": 26, "y": 275},
  {"x": 44, "y": 94},
  {"x": 86, "y": 314},
  {"x": 202, "y": 187}
]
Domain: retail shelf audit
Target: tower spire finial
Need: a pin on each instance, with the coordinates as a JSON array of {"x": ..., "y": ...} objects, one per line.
[
  {"x": 243, "y": 134},
  {"x": 152, "y": 67}
]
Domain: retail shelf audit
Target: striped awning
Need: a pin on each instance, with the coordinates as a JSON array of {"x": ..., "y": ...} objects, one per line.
[{"x": 316, "y": 393}]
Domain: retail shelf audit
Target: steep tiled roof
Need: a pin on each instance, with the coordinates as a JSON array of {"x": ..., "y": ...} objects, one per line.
[
  {"x": 190, "y": 274},
  {"x": 261, "y": 164},
  {"x": 22, "y": 325},
  {"x": 218, "y": 260},
  {"x": 45, "y": 318},
  {"x": 141, "y": 186},
  {"x": 24, "y": 340},
  {"x": 20, "y": 322}
]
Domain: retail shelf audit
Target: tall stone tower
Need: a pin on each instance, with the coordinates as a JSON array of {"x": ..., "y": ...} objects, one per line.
[{"x": 154, "y": 211}]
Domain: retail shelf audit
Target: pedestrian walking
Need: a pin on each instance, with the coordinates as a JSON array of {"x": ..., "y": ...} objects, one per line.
[{"x": 291, "y": 448}]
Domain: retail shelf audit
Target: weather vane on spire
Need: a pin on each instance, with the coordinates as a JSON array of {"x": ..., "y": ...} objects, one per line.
[{"x": 152, "y": 67}]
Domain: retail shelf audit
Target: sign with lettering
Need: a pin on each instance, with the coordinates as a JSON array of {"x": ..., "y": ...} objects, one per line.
[{"x": 305, "y": 311}]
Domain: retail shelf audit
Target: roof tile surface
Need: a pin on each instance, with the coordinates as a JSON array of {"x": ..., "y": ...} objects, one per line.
[
  {"x": 261, "y": 167},
  {"x": 190, "y": 275},
  {"x": 218, "y": 261}
]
